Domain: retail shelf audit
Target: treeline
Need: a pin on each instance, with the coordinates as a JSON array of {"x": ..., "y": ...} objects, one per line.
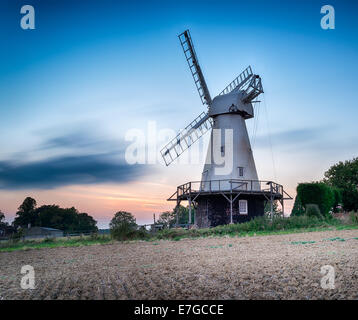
[
  {"x": 53, "y": 216},
  {"x": 338, "y": 191},
  {"x": 5, "y": 228}
]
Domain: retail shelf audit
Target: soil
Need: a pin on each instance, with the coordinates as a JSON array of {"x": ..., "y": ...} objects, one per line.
[{"x": 265, "y": 267}]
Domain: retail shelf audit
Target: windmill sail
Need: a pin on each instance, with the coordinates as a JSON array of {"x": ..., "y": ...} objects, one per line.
[
  {"x": 254, "y": 89},
  {"x": 191, "y": 58},
  {"x": 196, "y": 129},
  {"x": 241, "y": 80},
  {"x": 203, "y": 123}
]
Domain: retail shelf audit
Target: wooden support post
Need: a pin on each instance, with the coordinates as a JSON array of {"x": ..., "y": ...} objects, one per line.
[
  {"x": 195, "y": 218},
  {"x": 231, "y": 222},
  {"x": 271, "y": 201},
  {"x": 189, "y": 210},
  {"x": 283, "y": 208},
  {"x": 177, "y": 213}
]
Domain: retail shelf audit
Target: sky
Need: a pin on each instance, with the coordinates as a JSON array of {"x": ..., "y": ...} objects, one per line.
[{"x": 92, "y": 71}]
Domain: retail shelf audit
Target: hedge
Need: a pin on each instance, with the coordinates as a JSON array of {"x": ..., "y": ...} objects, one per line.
[{"x": 317, "y": 193}]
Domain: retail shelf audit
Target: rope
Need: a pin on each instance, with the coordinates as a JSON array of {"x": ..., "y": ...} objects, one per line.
[
  {"x": 256, "y": 123},
  {"x": 269, "y": 136},
  {"x": 253, "y": 127}
]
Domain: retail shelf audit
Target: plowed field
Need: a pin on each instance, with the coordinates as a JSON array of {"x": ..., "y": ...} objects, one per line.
[{"x": 266, "y": 267}]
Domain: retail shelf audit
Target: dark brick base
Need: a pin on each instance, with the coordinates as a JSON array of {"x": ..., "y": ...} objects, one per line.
[{"x": 214, "y": 210}]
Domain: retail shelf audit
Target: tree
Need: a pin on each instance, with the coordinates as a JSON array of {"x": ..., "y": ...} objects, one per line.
[
  {"x": 183, "y": 213},
  {"x": 2, "y": 217},
  {"x": 66, "y": 219},
  {"x": 337, "y": 199},
  {"x": 123, "y": 225},
  {"x": 123, "y": 217},
  {"x": 167, "y": 219},
  {"x": 86, "y": 222},
  {"x": 298, "y": 208},
  {"x": 29, "y": 205},
  {"x": 26, "y": 213},
  {"x": 276, "y": 211},
  {"x": 5, "y": 228},
  {"x": 3, "y": 224},
  {"x": 344, "y": 176}
]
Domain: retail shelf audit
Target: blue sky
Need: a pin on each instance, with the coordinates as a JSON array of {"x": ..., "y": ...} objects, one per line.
[{"x": 91, "y": 70}]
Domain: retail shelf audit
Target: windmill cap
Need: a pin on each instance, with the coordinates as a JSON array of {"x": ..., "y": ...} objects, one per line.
[{"x": 231, "y": 103}]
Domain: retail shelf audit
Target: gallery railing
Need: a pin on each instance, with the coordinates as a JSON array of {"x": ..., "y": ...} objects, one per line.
[{"x": 229, "y": 185}]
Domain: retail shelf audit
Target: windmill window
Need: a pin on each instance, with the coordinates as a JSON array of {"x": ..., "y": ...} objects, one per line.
[
  {"x": 222, "y": 150},
  {"x": 241, "y": 171},
  {"x": 243, "y": 207}
]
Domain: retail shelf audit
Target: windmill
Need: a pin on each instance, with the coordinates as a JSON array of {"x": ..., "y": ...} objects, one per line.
[{"x": 228, "y": 192}]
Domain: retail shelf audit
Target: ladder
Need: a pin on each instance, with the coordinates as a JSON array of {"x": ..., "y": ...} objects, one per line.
[{"x": 196, "y": 129}]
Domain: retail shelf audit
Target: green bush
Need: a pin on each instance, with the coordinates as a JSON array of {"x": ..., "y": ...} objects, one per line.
[
  {"x": 122, "y": 231},
  {"x": 141, "y": 233},
  {"x": 258, "y": 224},
  {"x": 354, "y": 217},
  {"x": 337, "y": 194},
  {"x": 172, "y": 233},
  {"x": 16, "y": 237},
  {"x": 312, "y": 210},
  {"x": 298, "y": 209},
  {"x": 126, "y": 231},
  {"x": 94, "y": 236},
  {"x": 317, "y": 193}
]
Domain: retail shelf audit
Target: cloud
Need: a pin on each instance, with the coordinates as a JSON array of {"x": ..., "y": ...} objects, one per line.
[
  {"x": 86, "y": 160},
  {"x": 62, "y": 171},
  {"x": 82, "y": 140},
  {"x": 71, "y": 140},
  {"x": 307, "y": 136}
]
